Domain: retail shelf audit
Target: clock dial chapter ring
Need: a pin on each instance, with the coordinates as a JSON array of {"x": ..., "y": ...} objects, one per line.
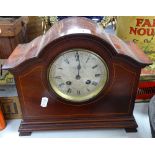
[{"x": 78, "y": 75}]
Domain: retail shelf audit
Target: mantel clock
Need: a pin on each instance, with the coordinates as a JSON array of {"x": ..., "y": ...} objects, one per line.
[{"x": 76, "y": 76}]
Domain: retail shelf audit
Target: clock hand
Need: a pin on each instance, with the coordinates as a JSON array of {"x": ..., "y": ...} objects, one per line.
[
  {"x": 78, "y": 75},
  {"x": 78, "y": 59},
  {"x": 77, "y": 56},
  {"x": 78, "y": 67}
]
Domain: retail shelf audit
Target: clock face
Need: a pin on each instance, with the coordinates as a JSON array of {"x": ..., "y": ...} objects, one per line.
[{"x": 78, "y": 75}]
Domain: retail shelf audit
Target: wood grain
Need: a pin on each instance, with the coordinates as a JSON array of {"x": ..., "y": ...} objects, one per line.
[{"x": 111, "y": 108}]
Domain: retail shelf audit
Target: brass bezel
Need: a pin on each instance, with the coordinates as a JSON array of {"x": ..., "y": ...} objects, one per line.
[{"x": 77, "y": 98}]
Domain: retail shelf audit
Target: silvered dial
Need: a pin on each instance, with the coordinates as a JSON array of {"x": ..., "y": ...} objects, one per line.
[{"x": 78, "y": 75}]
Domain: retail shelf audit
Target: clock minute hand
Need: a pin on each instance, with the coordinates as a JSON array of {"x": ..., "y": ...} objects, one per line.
[
  {"x": 77, "y": 56},
  {"x": 78, "y": 67}
]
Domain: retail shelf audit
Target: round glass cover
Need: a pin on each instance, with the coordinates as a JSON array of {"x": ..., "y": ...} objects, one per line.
[{"x": 78, "y": 75}]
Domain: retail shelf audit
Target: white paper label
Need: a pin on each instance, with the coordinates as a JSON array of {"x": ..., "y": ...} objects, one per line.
[{"x": 44, "y": 102}]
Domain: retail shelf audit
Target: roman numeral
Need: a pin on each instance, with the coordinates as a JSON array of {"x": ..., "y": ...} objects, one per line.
[
  {"x": 87, "y": 59},
  {"x": 61, "y": 84},
  {"x": 69, "y": 90},
  {"x": 94, "y": 66},
  {"x": 77, "y": 56},
  {"x": 66, "y": 60},
  {"x": 97, "y": 75},
  {"x": 57, "y": 77},
  {"x": 88, "y": 90},
  {"x": 78, "y": 92},
  {"x": 94, "y": 83}
]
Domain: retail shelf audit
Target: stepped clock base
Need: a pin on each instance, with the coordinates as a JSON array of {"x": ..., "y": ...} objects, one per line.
[
  {"x": 131, "y": 129},
  {"x": 27, "y": 127},
  {"x": 25, "y": 133}
]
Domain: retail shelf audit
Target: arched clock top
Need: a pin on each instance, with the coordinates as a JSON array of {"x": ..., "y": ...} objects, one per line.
[
  {"x": 75, "y": 26},
  {"x": 76, "y": 76}
]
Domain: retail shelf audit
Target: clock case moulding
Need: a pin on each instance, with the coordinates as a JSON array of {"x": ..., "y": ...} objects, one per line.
[{"x": 112, "y": 108}]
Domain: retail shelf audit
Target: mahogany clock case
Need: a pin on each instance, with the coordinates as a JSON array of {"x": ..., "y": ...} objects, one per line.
[{"x": 111, "y": 108}]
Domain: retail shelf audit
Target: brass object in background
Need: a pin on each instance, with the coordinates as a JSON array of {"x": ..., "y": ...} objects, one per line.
[
  {"x": 38, "y": 25},
  {"x": 109, "y": 20}
]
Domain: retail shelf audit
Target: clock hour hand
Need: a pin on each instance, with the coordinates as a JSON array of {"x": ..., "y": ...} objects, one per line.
[
  {"x": 78, "y": 75},
  {"x": 79, "y": 67}
]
